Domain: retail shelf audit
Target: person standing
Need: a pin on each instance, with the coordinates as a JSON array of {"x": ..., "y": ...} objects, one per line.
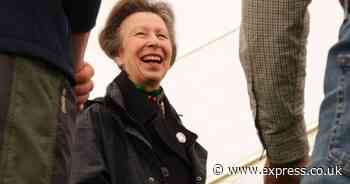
[
  {"x": 133, "y": 134},
  {"x": 330, "y": 159},
  {"x": 42, "y": 45}
]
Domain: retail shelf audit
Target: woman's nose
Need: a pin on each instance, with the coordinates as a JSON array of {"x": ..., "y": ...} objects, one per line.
[{"x": 153, "y": 41}]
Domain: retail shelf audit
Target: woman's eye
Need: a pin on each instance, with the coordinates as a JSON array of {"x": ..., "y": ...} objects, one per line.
[
  {"x": 162, "y": 36},
  {"x": 140, "y": 34}
]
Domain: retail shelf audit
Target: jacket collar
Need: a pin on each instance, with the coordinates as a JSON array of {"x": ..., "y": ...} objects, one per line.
[{"x": 124, "y": 94}]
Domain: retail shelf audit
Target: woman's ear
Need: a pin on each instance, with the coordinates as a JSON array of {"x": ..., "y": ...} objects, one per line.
[{"x": 119, "y": 62}]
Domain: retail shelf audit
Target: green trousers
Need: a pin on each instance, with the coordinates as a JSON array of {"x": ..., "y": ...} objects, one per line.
[{"x": 37, "y": 114}]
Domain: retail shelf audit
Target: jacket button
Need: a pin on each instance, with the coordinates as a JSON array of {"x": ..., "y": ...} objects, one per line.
[
  {"x": 150, "y": 180},
  {"x": 165, "y": 171},
  {"x": 198, "y": 178},
  {"x": 181, "y": 137}
]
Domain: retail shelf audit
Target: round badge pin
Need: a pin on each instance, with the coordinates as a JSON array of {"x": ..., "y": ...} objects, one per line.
[{"x": 181, "y": 137}]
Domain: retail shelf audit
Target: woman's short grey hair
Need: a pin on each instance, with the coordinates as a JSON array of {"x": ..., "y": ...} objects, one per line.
[{"x": 110, "y": 38}]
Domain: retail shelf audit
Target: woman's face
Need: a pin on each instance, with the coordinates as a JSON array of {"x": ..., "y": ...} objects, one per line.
[{"x": 146, "y": 49}]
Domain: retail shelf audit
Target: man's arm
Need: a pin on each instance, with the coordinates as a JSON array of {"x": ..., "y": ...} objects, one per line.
[
  {"x": 79, "y": 43},
  {"x": 81, "y": 16},
  {"x": 83, "y": 71},
  {"x": 273, "y": 53}
]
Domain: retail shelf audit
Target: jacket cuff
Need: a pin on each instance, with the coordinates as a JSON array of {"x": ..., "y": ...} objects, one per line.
[{"x": 288, "y": 145}]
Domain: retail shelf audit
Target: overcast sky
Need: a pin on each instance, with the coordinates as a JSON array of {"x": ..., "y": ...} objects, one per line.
[{"x": 208, "y": 87}]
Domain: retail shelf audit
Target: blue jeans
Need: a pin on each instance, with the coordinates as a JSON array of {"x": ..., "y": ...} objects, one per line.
[{"x": 332, "y": 147}]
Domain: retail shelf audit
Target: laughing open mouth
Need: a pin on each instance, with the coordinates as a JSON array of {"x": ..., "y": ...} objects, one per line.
[{"x": 152, "y": 58}]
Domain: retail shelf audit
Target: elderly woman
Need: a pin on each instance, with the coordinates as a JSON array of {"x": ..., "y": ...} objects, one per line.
[{"x": 133, "y": 135}]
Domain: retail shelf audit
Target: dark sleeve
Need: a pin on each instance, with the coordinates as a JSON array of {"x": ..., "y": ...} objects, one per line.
[
  {"x": 81, "y": 14},
  {"x": 89, "y": 166}
]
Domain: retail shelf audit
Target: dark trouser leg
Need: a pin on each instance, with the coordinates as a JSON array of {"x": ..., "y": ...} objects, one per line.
[
  {"x": 6, "y": 73},
  {"x": 37, "y": 132}
]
